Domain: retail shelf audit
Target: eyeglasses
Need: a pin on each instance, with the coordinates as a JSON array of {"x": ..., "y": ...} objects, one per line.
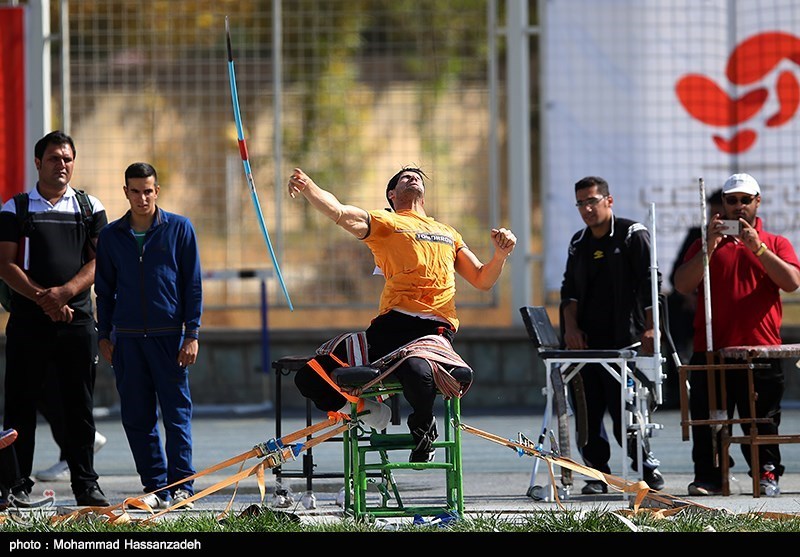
[
  {"x": 744, "y": 200},
  {"x": 589, "y": 202}
]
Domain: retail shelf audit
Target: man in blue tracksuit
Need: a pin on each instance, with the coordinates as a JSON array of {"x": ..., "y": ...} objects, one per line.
[{"x": 149, "y": 301}]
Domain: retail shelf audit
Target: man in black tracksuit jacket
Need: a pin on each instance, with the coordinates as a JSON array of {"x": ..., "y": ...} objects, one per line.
[{"x": 606, "y": 302}]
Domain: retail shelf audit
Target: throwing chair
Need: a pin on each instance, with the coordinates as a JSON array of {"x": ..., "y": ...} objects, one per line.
[{"x": 371, "y": 458}]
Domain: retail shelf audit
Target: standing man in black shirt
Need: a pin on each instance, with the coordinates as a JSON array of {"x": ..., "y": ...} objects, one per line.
[
  {"x": 48, "y": 261},
  {"x": 606, "y": 303}
]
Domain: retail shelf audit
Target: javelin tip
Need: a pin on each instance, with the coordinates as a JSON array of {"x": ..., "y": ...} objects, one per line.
[{"x": 228, "y": 39}]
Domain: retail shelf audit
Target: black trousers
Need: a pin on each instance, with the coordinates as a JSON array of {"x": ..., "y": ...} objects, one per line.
[
  {"x": 602, "y": 393},
  {"x": 768, "y": 383},
  {"x": 50, "y": 408},
  {"x": 387, "y": 333},
  {"x": 71, "y": 349}
]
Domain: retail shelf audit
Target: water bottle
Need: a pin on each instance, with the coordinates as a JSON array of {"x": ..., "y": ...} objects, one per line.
[
  {"x": 769, "y": 481},
  {"x": 629, "y": 392}
]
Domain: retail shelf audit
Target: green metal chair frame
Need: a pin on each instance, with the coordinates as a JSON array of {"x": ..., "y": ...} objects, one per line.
[{"x": 367, "y": 458}]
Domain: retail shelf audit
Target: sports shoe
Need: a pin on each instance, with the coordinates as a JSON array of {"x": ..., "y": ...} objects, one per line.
[
  {"x": 424, "y": 451},
  {"x": 99, "y": 440},
  {"x": 21, "y": 499},
  {"x": 92, "y": 497},
  {"x": 654, "y": 479},
  {"x": 157, "y": 500},
  {"x": 59, "y": 472},
  {"x": 375, "y": 414},
  {"x": 704, "y": 489},
  {"x": 422, "y": 455},
  {"x": 769, "y": 481},
  {"x": 182, "y": 495},
  {"x": 309, "y": 500},
  {"x": 340, "y": 498},
  {"x": 283, "y": 497},
  {"x": 594, "y": 488},
  {"x": 7, "y": 437}
]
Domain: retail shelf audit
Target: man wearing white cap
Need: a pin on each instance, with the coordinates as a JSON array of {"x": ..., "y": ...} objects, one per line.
[{"x": 747, "y": 272}]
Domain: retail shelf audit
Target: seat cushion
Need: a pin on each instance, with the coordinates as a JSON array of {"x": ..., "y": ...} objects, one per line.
[{"x": 354, "y": 376}]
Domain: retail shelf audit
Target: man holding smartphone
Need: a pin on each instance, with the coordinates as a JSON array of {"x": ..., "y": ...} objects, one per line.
[{"x": 747, "y": 271}]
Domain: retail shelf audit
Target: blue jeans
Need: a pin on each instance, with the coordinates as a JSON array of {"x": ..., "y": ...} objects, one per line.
[{"x": 149, "y": 379}]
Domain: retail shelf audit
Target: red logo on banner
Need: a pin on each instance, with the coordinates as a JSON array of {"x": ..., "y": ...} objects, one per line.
[{"x": 749, "y": 64}]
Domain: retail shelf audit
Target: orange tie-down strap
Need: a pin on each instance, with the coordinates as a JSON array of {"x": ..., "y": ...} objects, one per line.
[
  {"x": 436, "y": 349},
  {"x": 662, "y": 504},
  {"x": 323, "y": 373},
  {"x": 272, "y": 453}
]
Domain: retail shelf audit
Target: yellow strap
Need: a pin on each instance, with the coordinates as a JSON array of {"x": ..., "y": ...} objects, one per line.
[
  {"x": 641, "y": 488},
  {"x": 118, "y": 514}
]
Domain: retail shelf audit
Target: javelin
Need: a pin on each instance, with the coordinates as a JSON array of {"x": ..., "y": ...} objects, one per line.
[
  {"x": 706, "y": 270},
  {"x": 246, "y": 162}
]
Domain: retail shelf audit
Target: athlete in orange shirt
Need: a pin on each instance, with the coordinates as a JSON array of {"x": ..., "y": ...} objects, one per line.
[{"x": 418, "y": 257}]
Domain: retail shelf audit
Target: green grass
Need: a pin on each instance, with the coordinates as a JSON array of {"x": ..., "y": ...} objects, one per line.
[{"x": 597, "y": 520}]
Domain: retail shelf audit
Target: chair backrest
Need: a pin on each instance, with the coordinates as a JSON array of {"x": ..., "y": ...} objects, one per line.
[{"x": 540, "y": 329}]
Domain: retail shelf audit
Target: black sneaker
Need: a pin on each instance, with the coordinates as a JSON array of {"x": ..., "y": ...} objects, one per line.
[
  {"x": 594, "y": 488},
  {"x": 704, "y": 489},
  {"x": 424, "y": 451},
  {"x": 654, "y": 479},
  {"x": 92, "y": 497},
  {"x": 21, "y": 499},
  {"x": 422, "y": 455}
]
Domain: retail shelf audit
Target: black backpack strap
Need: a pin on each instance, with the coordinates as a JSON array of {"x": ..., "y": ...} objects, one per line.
[
  {"x": 21, "y": 206},
  {"x": 85, "y": 205},
  {"x": 87, "y": 216}
]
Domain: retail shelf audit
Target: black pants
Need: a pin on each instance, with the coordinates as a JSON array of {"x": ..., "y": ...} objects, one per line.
[
  {"x": 768, "y": 383},
  {"x": 602, "y": 392},
  {"x": 387, "y": 333},
  {"x": 31, "y": 348},
  {"x": 50, "y": 408}
]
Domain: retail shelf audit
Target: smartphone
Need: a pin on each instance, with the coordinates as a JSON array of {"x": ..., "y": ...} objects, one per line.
[{"x": 731, "y": 227}]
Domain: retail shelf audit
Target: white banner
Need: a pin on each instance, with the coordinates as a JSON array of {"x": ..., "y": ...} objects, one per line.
[{"x": 653, "y": 95}]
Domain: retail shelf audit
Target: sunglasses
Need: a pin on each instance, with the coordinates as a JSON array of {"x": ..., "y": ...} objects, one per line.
[
  {"x": 744, "y": 200},
  {"x": 589, "y": 202}
]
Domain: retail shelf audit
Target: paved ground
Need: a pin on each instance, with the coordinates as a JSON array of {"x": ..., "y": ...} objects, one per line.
[
  {"x": 496, "y": 482},
  {"x": 496, "y": 478}
]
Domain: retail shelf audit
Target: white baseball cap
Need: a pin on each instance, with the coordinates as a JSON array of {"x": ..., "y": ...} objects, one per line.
[{"x": 741, "y": 183}]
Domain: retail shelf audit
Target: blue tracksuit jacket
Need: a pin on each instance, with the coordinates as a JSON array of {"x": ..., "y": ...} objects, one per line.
[{"x": 157, "y": 293}]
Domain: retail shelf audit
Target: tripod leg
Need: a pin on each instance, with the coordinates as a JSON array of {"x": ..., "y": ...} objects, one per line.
[
  {"x": 536, "y": 492},
  {"x": 560, "y": 400}
]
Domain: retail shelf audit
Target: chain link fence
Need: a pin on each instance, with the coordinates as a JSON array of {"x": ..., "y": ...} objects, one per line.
[{"x": 348, "y": 90}]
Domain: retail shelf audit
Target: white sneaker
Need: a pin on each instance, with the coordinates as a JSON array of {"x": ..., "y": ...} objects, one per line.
[
  {"x": 155, "y": 502},
  {"x": 340, "y": 498},
  {"x": 182, "y": 495},
  {"x": 58, "y": 472},
  {"x": 375, "y": 414},
  {"x": 282, "y": 498},
  {"x": 99, "y": 440},
  {"x": 309, "y": 500}
]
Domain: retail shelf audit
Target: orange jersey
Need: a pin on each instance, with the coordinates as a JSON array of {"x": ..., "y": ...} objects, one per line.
[{"x": 417, "y": 256}]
